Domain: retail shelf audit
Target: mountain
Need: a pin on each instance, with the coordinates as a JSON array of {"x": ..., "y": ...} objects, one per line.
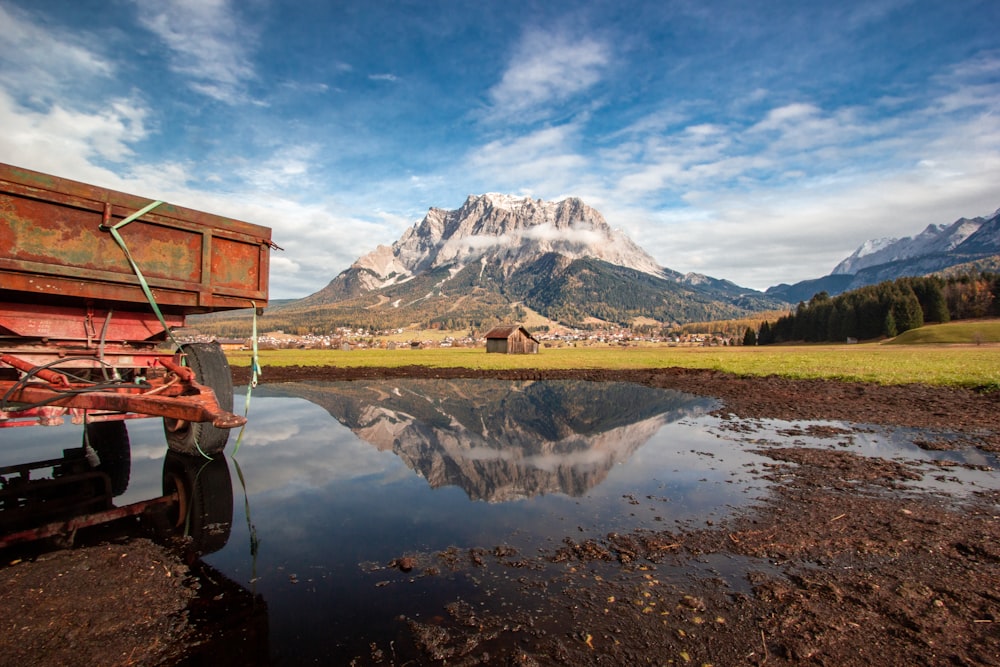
[
  {"x": 501, "y": 441},
  {"x": 497, "y": 255},
  {"x": 936, "y": 248},
  {"x": 934, "y": 239}
]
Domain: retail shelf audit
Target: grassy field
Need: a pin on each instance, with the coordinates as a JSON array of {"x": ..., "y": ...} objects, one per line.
[
  {"x": 962, "y": 332},
  {"x": 967, "y": 366}
]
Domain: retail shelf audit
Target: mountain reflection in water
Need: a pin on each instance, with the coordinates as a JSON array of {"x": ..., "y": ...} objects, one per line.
[{"x": 502, "y": 441}]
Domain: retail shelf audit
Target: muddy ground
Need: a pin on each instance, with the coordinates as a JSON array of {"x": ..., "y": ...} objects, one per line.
[{"x": 845, "y": 564}]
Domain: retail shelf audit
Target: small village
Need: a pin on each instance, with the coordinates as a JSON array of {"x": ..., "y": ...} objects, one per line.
[{"x": 347, "y": 339}]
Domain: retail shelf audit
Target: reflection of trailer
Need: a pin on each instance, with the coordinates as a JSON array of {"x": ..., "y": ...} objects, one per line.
[
  {"x": 88, "y": 291},
  {"x": 58, "y": 497}
]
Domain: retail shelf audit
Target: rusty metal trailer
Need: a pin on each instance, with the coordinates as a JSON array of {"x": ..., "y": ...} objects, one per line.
[{"x": 92, "y": 282}]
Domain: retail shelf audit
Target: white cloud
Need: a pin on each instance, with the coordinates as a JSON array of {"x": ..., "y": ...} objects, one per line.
[
  {"x": 544, "y": 160},
  {"x": 287, "y": 167},
  {"x": 764, "y": 235},
  {"x": 654, "y": 123},
  {"x": 481, "y": 241},
  {"x": 786, "y": 196},
  {"x": 546, "y": 68},
  {"x": 37, "y": 62},
  {"x": 66, "y": 141},
  {"x": 782, "y": 117},
  {"x": 54, "y": 109},
  {"x": 208, "y": 43},
  {"x": 549, "y": 233},
  {"x": 704, "y": 130}
]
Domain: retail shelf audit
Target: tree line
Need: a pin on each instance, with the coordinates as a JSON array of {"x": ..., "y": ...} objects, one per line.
[{"x": 887, "y": 309}]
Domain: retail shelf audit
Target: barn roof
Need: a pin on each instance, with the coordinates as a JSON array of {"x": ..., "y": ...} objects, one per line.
[{"x": 504, "y": 331}]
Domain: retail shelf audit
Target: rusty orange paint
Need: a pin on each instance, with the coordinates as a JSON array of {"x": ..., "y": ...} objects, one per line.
[
  {"x": 69, "y": 294},
  {"x": 52, "y": 242}
]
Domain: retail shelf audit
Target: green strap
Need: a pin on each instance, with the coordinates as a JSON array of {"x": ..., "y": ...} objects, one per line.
[
  {"x": 135, "y": 267},
  {"x": 251, "y": 528},
  {"x": 254, "y": 373},
  {"x": 254, "y": 361}
]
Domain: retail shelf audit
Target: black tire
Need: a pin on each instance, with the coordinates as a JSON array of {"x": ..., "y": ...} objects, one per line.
[
  {"x": 204, "y": 511},
  {"x": 211, "y": 368},
  {"x": 110, "y": 441}
]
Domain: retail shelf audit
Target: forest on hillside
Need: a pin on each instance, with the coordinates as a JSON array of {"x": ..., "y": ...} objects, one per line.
[{"x": 885, "y": 310}]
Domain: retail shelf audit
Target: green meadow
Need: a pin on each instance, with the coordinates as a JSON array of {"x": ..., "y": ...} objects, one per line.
[
  {"x": 960, "y": 332},
  {"x": 970, "y": 365}
]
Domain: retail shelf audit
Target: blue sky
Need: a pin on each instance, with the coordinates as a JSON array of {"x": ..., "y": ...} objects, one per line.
[{"x": 760, "y": 142}]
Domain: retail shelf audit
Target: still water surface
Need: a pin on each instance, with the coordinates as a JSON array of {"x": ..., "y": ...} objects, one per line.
[{"x": 333, "y": 481}]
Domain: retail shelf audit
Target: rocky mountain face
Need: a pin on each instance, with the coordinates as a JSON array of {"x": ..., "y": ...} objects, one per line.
[
  {"x": 498, "y": 252},
  {"x": 514, "y": 230},
  {"x": 503, "y": 441},
  {"x": 937, "y": 247},
  {"x": 933, "y": 240}
]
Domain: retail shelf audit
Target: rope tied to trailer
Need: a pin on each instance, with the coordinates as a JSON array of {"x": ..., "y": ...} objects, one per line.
[
  {"x": 255, "y": 372},
  {"x": 113, "y": 230}
]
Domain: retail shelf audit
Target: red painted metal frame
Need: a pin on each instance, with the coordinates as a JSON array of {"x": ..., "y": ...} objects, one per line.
[
  {"x": 174, "y": 395},
  {"x": 89, "y": 324},
  {"x": 69, "y": 295}
]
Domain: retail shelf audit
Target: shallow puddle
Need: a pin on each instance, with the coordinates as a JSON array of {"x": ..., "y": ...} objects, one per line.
[{"x": 343, "y": 495}]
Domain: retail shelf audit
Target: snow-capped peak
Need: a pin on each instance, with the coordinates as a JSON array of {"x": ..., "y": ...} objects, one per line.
[
  {"x": 509, "y": 229},
  {"x": 933, "y": 239}
]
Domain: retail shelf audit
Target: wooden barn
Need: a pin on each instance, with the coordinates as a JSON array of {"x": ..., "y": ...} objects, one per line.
[{"x": 511, "y": 339}]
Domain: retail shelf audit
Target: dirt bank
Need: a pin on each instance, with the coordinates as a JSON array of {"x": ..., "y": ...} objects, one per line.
[
  {"x": 844, "y": 564},
  {"x": 840, "y": 570}
]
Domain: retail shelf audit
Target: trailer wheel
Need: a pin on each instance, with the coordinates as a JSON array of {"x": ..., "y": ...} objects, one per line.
[
  {"x": 211, "y": 369},
  {"x": 110, "y": 441},
  {"x": 204, "y": 511}
]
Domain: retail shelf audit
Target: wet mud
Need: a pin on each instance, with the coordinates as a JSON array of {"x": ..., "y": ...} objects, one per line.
[{"x": 845, "y": 562}]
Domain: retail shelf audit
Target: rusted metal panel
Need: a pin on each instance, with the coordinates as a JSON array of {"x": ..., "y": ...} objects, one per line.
[
  {"x": 67, "y": 324},
  {"x": 53, "y": 242}
]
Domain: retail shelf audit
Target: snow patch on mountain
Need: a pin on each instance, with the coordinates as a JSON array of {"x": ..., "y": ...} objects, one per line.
[
  {"x": 505, "y": 228},
  {"x": 933, "y": 239}
]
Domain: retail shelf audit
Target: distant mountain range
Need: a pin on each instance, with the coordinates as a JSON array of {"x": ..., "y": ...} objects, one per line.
[
  {"x": 498, "y": 255},
  {"x": 973, "y": 242}
]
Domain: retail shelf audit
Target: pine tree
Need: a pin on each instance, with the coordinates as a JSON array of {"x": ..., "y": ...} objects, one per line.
[
  {"x": 930, "y": 293},
  {"x": 906, "y": 311},
  {"x": 889, "y": 327},
  {"x": 765, "y": 337}
]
